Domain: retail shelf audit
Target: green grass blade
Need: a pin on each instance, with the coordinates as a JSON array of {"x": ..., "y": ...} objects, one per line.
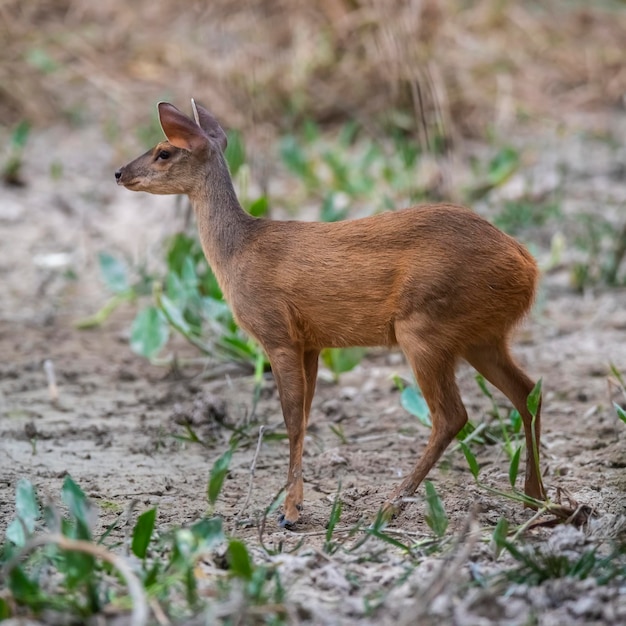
[
  {"x": 435, "y": 515},
  {"x": 217, "y": 476},
  {"x": 142, "y": 533}
]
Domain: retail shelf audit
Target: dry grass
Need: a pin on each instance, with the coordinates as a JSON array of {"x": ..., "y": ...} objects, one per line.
[{"x": 424, "y": 65}]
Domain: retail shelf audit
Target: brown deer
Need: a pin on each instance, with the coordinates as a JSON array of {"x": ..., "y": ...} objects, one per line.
[{"x": 438, "y": 281}]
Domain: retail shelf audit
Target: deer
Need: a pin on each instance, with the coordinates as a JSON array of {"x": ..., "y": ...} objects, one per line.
[{"x": 438, "y": 281}]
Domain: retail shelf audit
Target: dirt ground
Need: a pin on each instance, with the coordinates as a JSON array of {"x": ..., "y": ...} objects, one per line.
[{"x": 113, "y": 424}]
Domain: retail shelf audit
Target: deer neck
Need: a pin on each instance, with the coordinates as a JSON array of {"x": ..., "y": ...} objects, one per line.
[{"x": 223, "y": 225}]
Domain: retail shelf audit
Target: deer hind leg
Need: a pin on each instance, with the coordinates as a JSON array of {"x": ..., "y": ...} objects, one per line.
[
  {"x": 289, "y": 371},
  {"x": 493, "y": 360},
  {"x": 433, "y": 367}
]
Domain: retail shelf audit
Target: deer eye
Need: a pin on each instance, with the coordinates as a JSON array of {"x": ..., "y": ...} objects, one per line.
[{"x": 163, "y": 154}]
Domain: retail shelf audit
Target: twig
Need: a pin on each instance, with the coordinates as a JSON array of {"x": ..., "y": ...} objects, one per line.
[
  {"x": 139, "y": 614},
  {"x": 53, "y": 390},
  {"x": 262, "y": 429}
]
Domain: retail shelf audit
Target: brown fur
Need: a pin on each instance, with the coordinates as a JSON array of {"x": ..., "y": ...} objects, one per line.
[{"x": 437, "y": 280}]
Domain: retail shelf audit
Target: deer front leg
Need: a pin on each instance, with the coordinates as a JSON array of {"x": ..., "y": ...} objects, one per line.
[{"x": 288, "y": 368}]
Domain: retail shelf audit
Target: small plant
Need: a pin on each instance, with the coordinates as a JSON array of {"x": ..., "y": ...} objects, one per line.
[
  {"x": 499, "y": 169},
  {"x": 435, "y": 514},
  {"x": 354, "y": 172},
  {"x": 52, "y": 562},
  {"x": 341, "y": 360},
  {"x": 331, "y": 546},
  {"x": 603, "y": 244},
  {"x": 538, "y": 564},
  {"x": 12, "y": 169},
  {"x": 518, "y": 215}
]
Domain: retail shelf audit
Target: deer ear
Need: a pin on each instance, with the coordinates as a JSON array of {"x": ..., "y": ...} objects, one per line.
[
  {"x": 209, "y": 125},
  {"x": 180, "y": 131}
]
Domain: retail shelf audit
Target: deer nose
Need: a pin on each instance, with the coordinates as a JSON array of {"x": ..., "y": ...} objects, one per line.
[{"x": 118, "y": 174}]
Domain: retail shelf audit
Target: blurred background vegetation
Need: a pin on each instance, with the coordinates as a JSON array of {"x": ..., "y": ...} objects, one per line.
[{"x": 451, "y": 67}]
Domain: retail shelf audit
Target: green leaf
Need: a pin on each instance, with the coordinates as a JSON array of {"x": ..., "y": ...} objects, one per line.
[
  {"x": 209, "y": 530},
  {"x": 24, "y": 590},
  {"x": 499, "y": 536},
  {"x": 516, "y": 421},
  {"x": 5, "y": 611},
  {"x": 330, "y": 213},
  {"x": 113, "y": 272},
  {"x": 471, "y": 460},
  {"x": 294, "y": 157},
  {"x": 502, "y": 166},
  {"x": 260, "y": 207},
  {"x": 335, "y": 515},
  {"x": 19, "y": 137},
  {"x": 514, "y": 466},
  {"x": 27, "y": 509},
  {"x": 620, "y": 412},
  {"x": 41, "y": 60},
  {"x": 235, "y": 152},
  {"x": 76, "y": 500},
  {"x": 239, "y": 560},
  {"x": 534, "y": 398},
  {"x": 340, "y": 360},
  {"x": 79, "y": 568},
  {"x": 435, "y": 515},
  {"x": 617, "y": 374},
  {"x": 149, "y": 332},
  {"x": 181, "y": 247},
  {"x": 142, "y": 533},
  {"x": 174, "y": 315},
  {"x": 482, "y": 383},
  {"x": 413, "y": 401},
  {"x": 217, "y": 475}
]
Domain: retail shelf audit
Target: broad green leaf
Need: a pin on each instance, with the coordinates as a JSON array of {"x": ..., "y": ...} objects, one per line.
[
  {"x": 340, "y": 360},
  {"x": 471, "y": 460},
  {"x": 435, "y": 515},
  {"x": 534, "y": 398},
  {"x": 149, "y": 332},
  {"x": 259, "y": 207},
  {"x": 79, "y": 568},
  {"x": 239, "y": 559},
  {"x": 217, "y": 475},
  {"x": 80, "y": 509},
  {"x": 113, "y": 272},
  {"x": 19, "y": 136},
  {"x": 188, "y": 274},
  {"x": 620, "y": 412},
  {"x": 23, "y": 589},
  {"x": 516, "y": 421},
  {"x": 174, "y": 315},
  {"x": 329, "y": 212},
  {"x": 413, "y": 401},
  {"x": 209, "y": 530},
  {"x": 5, "y": 611},
  {"x": 142, "y": 533},
  {"x": 175, "y": 289},
  {"x": 181, "y": 248},
  {"x": 514, "y": 466},
  {"x": 27, "y": 509}
]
